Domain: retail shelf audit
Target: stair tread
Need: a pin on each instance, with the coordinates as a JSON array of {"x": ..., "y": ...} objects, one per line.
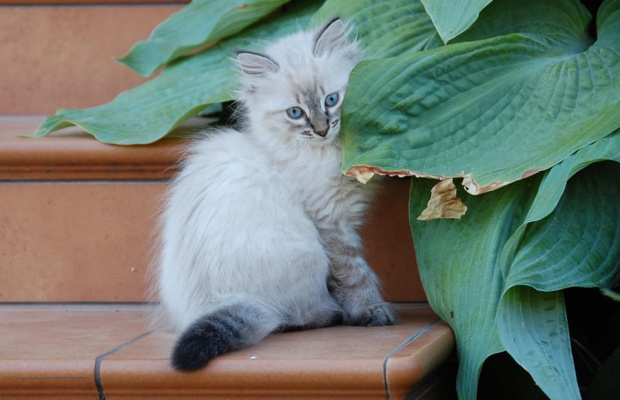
[{"x": 82, "y": 348}]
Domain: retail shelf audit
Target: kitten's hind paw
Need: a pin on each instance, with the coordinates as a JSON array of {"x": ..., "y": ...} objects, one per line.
[{"x": 379, "y": 314}]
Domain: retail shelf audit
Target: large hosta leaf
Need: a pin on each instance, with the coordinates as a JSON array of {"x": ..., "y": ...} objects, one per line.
[
  {"x": 199, "y": 23},
  {"x": 503, "y": 17},
  {"x": 494, "y": 110},
  {"x": 548, "y": 273},
  {"x": 513, "y": 239},
  {"x": 576, "y": 245},
  {"x": 459, "y": 267},
  {"x": 385, "y": 28},
  {"x": 579, "y": 244},
  {"x": 146, "y": 113},
  {"x": 451, "y": 18}
]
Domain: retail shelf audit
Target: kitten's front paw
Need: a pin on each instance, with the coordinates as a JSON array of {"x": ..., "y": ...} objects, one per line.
[{"x": 379, "y": 314}]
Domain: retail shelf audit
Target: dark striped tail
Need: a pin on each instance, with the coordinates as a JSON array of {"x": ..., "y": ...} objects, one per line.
[{"x": 228, "y": 328}]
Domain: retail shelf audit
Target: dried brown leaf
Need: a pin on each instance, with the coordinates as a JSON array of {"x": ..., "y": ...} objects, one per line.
[{"x": 443, "y": 202}]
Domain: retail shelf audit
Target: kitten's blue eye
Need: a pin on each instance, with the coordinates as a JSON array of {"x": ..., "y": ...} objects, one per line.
[
  {"x": 331, "y": 99},
  {"x": 295, "y": 112}
]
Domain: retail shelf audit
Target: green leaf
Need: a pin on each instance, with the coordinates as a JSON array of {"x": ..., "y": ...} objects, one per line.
[
  {"x": 146, "y": 113},
  {"x": 575, "y": 246},
  {"x": 459, "y": 263},
  {"x": 533, "y": 328},
  {"x": 578, "y": 245},
  {"x": 496, "y": 273},
  {"x": 503, "y": 17},
  {"x": 569, "y": 240},
  {"x": 197, "y": 24},
  {"x": 451, "y": 18},
  {"x": 459, "y": 267},
  {"x": 494, "y": 110},
  {"x": 385, "y": 28}
]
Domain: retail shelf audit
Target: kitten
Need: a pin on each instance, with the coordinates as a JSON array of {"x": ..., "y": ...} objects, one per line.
[{"x": 259, "y": 231}]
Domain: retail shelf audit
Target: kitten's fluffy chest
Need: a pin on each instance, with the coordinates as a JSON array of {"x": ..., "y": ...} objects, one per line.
[{"x": 315, "y": 178}]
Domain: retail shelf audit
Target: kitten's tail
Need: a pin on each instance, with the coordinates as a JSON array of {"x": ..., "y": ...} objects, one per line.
[{"x": 232, "y": 326}]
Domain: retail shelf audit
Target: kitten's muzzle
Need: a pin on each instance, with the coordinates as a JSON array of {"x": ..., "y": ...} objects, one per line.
[{"x": 320, "y": 126}]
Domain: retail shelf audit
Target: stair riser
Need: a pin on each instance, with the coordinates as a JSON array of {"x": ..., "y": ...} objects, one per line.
[
  {"x": 93, "y": 241},
  {"x": 55, "y": 57}
]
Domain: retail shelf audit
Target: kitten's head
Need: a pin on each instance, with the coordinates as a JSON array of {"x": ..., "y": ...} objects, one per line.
[{"x": 293, "y": 91}]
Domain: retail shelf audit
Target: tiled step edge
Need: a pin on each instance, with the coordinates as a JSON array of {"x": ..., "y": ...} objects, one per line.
[
  {"x": 72, "y": 154},
  {"x": 108, "y": 352}
]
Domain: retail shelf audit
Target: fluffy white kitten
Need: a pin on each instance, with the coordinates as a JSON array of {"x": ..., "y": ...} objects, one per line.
[{"x": 259, "y": 232}]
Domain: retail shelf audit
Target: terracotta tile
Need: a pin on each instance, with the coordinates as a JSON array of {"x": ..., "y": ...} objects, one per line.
[
  {"x": 50, "y": 351},
  {"x": 63, "y": 57},
  {"x": 389, "y": 245},
  {"x": 92, "y": 242},
  {"x": 321, "y": 363},
  {"x": 419, "y": 357},
  {"x": 76, "y": 241}
]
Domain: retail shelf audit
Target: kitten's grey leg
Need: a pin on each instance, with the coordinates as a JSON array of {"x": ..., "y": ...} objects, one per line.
[
  {"x": 352, "y": 282},
  {"x": 332, "y": 319}
]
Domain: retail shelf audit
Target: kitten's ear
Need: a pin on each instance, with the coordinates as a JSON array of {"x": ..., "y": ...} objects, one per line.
[
  {"x": 256, "y": 64},
  {"x": 333, "y": 36}
]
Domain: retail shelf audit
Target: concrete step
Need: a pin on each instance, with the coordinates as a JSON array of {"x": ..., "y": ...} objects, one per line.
[
  {"x": 108, "y": 352},
  {"x": 78, "y": 217}
]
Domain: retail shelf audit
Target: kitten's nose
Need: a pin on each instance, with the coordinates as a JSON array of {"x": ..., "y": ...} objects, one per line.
[{"x": 321, "y": 133}]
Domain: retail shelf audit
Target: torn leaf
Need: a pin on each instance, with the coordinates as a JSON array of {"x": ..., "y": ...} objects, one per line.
[
  {"x": 443, "y": 202},
  {"x": 363, "y": 176}
]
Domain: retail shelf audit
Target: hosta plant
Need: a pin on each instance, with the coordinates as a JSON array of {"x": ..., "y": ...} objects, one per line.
[{"x": 519, "y": 101}]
